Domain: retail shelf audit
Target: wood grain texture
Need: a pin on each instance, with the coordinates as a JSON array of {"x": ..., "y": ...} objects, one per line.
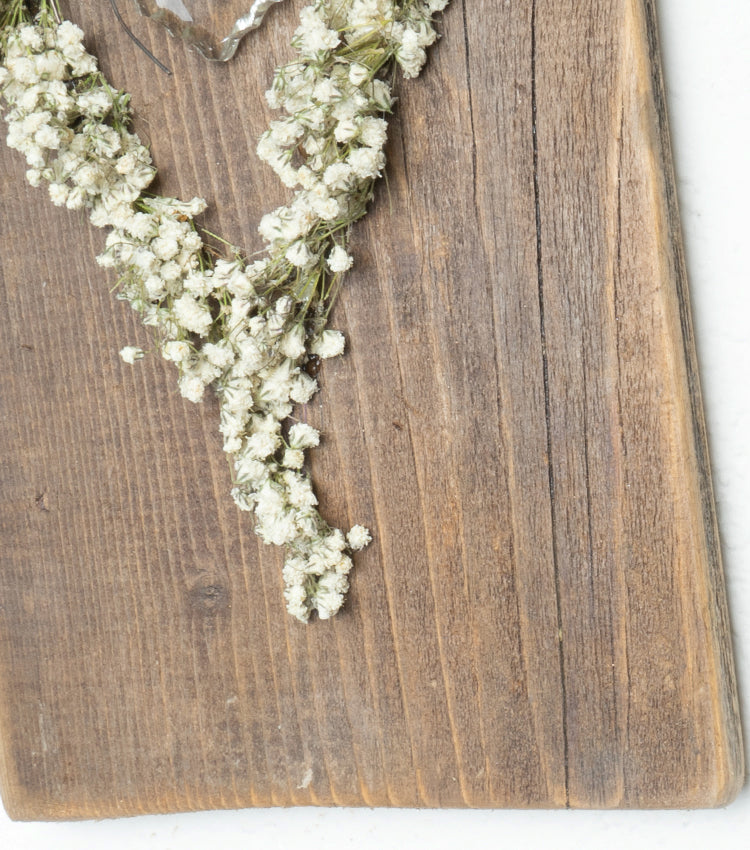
[{"x": 540, "y": 620}]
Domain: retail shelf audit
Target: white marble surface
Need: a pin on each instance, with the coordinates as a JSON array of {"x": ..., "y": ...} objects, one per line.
[{"x": 707, "y": 63}]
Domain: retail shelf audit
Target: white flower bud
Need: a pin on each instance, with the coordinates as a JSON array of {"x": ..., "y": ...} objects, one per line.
[
  {"x": 358, "y": 537},
  {"x": 329, "y": 344},
  {"x": 358, "y": 74},
  {"x": 131, "y": 353},
  {"x": 303, "y": 436},
  {"x": 299, "y": 255},
  {"x": 175, "y": 350},
  {"x": 339, "y": 261}
]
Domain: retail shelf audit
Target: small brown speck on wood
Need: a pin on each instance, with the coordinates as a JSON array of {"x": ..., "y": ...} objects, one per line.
[{"x": 540, "y": 620}]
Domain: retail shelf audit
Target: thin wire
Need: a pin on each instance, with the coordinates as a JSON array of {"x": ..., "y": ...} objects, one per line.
[{"x": 139, "y": 43}]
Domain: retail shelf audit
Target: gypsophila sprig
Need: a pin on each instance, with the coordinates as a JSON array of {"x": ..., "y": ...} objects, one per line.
[{"x": 245, "y": 329}]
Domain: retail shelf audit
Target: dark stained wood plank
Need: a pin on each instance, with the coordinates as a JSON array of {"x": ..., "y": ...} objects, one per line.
[{"x": 540, "y": 620}]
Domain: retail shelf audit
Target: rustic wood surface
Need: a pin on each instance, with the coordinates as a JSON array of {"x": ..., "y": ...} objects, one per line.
[{"x": 540, "y": 620}]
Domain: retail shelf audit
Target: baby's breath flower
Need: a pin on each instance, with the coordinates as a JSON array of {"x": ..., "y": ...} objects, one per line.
[
  {"x": 192, "y": 388},
  {"x": 192, "y": 315},
  {"x": 293, "y": 343},
  {"x": 358, "y": 537},
  {"x": 366, "y": 163},
  {"x": 58, "y": 193},
  {"x": 31, "y": 37},
  {"x": 260, "y": 445},
  {"x": 131, "y": 353},
  {"x": 313, "y": 36},
  {"x": 303, "y": 436},
  {"x": 358, "y": 74},
  {"x": 176, "y": 350},
  {"x": 293, "y": 458},
  {"x": 339, "y": 261},
  {"x": 328, "y": 344},
  {"x": 220, "y": 354},
  {"x": 299, "y": 255}
]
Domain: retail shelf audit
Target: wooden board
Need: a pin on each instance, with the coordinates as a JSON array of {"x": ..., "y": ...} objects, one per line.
[{"x": 541, "y": 618}]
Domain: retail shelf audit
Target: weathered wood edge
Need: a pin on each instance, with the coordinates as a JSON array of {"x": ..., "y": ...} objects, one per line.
[{"x": 719, "y": 615}]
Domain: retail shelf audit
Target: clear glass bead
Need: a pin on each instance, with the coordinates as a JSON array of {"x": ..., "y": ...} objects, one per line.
[{"x": 213, "y": 27}]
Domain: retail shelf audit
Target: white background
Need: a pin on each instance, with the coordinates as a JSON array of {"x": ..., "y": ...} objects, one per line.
[{"x": 706, "y": 51}]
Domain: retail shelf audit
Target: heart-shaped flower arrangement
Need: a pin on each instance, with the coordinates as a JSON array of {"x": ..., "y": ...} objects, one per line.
[{"x": 252, "y": 331}]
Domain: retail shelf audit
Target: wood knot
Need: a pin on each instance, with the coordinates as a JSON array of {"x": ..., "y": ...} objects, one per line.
[
  {"x": 208, "y": 595},
  {"x": 41, "y": 502}
]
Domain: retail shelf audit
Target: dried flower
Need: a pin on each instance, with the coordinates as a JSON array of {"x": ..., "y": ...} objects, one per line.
[{"x": 130, "y": 354}]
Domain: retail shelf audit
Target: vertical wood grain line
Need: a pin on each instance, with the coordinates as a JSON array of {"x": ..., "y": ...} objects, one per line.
[
  {"x": 439, "y": 639},
  {"x": 389, "y": 607},
  {"x": 470, "y": 100},
  {"x": 367, "y": 649},
  {"x": 547, "y": 408}
]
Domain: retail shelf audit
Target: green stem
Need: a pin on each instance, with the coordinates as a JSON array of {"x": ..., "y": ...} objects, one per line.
[{"x": 17, "y": 12}]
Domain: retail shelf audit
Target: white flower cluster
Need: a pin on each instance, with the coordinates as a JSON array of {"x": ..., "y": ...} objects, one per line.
[
  {"x": 331, "y": 143},
  {"x": 247, "y": 330},
  {"x": 58, "y": 106},
  {"x": 406, "y": 28}
]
